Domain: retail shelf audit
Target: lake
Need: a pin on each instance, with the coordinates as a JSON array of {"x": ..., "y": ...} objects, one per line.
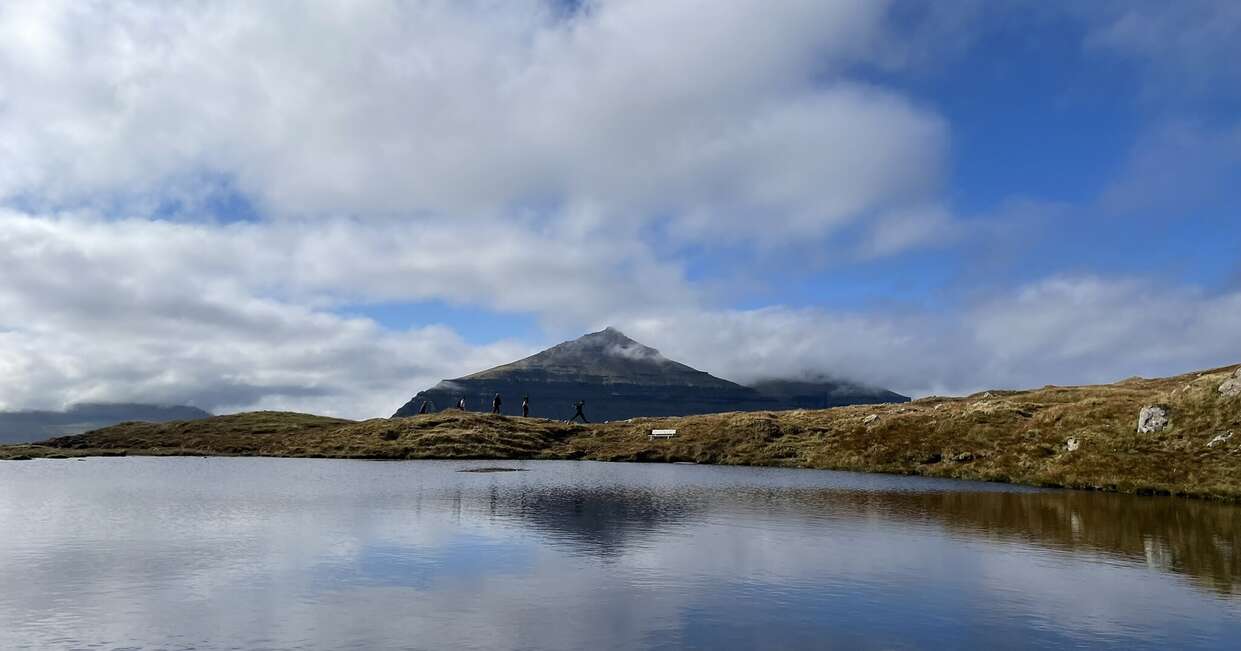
[{"x": 219, "y": 553}]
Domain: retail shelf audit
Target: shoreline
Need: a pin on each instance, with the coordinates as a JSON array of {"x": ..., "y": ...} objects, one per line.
[
  {"x": 1055, "y": 437},
  {"x": 59, "y": 454}
]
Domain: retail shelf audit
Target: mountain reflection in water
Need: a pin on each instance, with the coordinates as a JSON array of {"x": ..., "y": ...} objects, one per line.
[
  {"x": 277, "y": 553},
  {"x": 1192, "y": 537}
]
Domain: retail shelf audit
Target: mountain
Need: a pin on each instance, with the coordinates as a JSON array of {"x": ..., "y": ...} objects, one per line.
[
  {"x": 619, "y": 378},
  {"x": 26, "y": 426},
  {"x": 822, "y": 394}
]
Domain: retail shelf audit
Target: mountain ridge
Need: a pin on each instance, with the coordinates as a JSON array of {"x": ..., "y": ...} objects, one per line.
[
  {"x": 620, "y": 378},
  {"x": 34, "y": 425}
]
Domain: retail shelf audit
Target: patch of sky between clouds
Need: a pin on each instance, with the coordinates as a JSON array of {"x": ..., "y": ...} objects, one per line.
[
  {"x": 1198, "y": 249},
  {"x": 1031, "y": 114},
  {"x": 475, "y": 325},
  {"x": 206, "y": 196},
  {"x": 912, "y": 280},
  {"x": 216, "y": 197},
  {"x": 567, "y": 8}
]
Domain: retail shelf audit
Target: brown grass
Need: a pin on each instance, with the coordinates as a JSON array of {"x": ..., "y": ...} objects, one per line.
[{"x": 1009, "y": 436}]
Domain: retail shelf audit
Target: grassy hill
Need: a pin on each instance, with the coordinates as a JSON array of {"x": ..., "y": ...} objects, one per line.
[{"x": 1011, "y": 436}]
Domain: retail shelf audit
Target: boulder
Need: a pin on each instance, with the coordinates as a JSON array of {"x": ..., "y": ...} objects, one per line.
[
  {"x": 1220, "y": 439},
  {"x": 1153, "y": 419},
  {"x": 1072, "y": 444},
  {"x": 1232, "y": 386},
  {"x": 870, "y": 419}
]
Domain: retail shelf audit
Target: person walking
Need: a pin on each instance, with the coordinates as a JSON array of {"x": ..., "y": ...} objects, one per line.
[
  {"x": 495, "y": 404},
  {"x": 461, "y": 404},
  {"x": 525, "y": 406},
  {"x": 578, "y": 414}
]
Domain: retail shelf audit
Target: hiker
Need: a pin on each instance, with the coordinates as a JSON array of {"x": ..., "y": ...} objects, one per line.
[
  {"x": 426, "y": 406},
  {"x": 495, "y": 404},
  {"x": 461, "y": 404},
  {"x": 525, "y": 406},
  {"x": 578, "y": 414}
]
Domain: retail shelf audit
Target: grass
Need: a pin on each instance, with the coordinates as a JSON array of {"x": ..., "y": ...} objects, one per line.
[{"x": 1007, "y": 436}]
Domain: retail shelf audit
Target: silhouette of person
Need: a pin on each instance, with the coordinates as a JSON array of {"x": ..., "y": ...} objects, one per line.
[
  {"x": 495, "y": 404},
  {"x": 461, "y": 404},
  {"x": 578, "y": 414},
  {"x": 424, "y": 408},
  {"x": 525, "y": 405}
]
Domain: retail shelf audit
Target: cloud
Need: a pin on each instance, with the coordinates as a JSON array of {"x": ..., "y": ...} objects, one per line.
[
  {"x": 914, "y": 227},
  {"x": 242, "y": 316},
  {"x": 1176, "y": 168},
  {"x": 1063, "y": 330},
  {"x": 735, "y": 121},
  {"x": 219, "y": 317},
  {"x": 1181, "y": 44}
]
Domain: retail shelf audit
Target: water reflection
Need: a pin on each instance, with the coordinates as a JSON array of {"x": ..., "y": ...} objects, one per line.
[
  {"x": 254, "y": 553},
  {"x": 601, "y": 521},
  {"x": 1189, "y": 537},
  {"x": 1192, "y": 537}
]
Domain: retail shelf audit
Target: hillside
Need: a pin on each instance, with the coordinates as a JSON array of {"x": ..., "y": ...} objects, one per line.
[
  {"x": 26, "y": 426},
  {"x": 1081, "y": 437},
  {"x": 619, "y": 378}
]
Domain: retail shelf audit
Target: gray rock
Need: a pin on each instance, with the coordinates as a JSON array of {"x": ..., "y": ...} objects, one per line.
[
  {"x": 1220, "y": 439},
  {"x": 1153, "y": 419},
  {"x": 1231, "y": 387},
  {"x": 870, "y": 419},
  {"x": 1072, "y": 444}
]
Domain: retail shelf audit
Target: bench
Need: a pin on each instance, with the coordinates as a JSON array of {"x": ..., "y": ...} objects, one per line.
[{"x": 662, "y": 434}]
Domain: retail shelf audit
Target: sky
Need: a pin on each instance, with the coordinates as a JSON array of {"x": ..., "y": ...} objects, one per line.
[{"x": 329, "y": 206}]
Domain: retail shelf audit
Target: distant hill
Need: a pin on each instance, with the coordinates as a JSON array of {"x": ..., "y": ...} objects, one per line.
[
  {"x": 27, "y": 426},
  {"x": 797, "y": 394},
  {"x": 619, "y": 378}
]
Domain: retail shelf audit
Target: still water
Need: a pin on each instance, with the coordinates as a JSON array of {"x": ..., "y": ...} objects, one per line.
[{"x": 189, "y": 553}]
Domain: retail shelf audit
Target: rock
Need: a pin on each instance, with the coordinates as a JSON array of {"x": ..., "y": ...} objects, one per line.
[
  {"x": 870, "y": 419},
  {"x": 985, "y": 396},
  {"x": 964, "y": 457},
  {"x": 1220, "y": 439},
  {"x": 1072, "y": 444},
  {"x": 1231, "y": 387},
  {"x": 1153, "y": 419}
]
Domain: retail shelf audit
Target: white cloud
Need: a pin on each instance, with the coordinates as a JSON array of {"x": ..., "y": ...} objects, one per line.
[
  {"x": 734, "y": 120},
  {"x": 221, "y": 317},
  {"x": 239, "y": 316},
  {"x": 907, "y": 229},
  {"x": 1059, "y": 331}
]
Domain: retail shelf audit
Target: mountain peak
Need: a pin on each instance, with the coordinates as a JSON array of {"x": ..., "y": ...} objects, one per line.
[
  {"x": 607, "y": 354},
  {"x": 608, "y": 334},
  {"x": 610, "y": 342},
  {"x": 617, "y": 376}
]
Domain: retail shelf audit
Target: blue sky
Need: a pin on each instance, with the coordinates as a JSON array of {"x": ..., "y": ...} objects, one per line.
[{"x": 934, "y": 197}]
